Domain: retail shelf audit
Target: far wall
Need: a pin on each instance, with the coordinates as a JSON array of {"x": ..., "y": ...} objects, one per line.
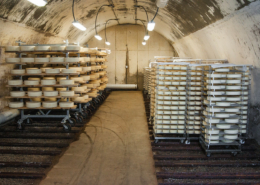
[{"x": 127, "y": 50}]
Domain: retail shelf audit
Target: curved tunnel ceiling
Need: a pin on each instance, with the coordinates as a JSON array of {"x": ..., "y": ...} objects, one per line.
[{"x": 178, "y": 19}]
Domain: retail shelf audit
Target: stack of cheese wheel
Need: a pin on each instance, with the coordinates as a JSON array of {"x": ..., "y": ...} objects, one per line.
[
  {"x": 35, "y": 89},
  {"x": 170, "y": 98},
  {"x": 18, "y": 71},
  {"x": 151, "y": 91},
  {"x": 33, "y": 104},
  {"x": 223, "y": 113},
  {"x": 194, "y": 95}
]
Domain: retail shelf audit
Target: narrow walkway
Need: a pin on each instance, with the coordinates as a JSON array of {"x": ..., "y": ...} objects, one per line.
[{"x": 114, "y": 149}]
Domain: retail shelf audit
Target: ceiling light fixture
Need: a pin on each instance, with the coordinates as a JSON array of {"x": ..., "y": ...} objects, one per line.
[
  {"x": 76, "y": 23},
  {"x": 146, "y": 37},
  {"x": 151, "y": 24},
  {"x": 144, "y": 43},
  {"x": 39, "y": 2},
  {"x": 108, "y": 43},
  {"x": 97, "y": 36}
]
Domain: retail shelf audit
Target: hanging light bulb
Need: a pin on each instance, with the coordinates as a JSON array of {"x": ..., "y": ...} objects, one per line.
[
  {"x": 150, "y": 26},
  {"x": 79, "y": 26},
  {"x": 144, "y": 43},
  {"x": 39, "y": 2},
  {"x": 146, "y": 37},
  {"x": 107, "y": 43},
  {"x": 98, "y": 37}
]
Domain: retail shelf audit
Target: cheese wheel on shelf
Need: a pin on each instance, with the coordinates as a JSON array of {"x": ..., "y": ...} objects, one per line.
[
  {"x": 50, "y": 93},
  {"x": 66, "y": 104},
  {"x": 60, "y": 68},
  {"x": 49, "y": 104},
  {"x": 48, "y": 82},
  {"x": 42, "y": 48},
  {"x": 64, "y": 99},
  {"x": 66, "y": 82},
  {"x": 33, "y": 78},
  {"x": 61, "y": 78},
  {"x": 33, "y": 89},
  {"x": 42, "y": 59},
  {"x": 58, "y": 48},
  {"x": 72, "y": 48},
  {"x": 13, "y": 60},
  {"x": 69, "y": 71},
  {"x": 50, "y": 99},
  {"x": 47, "y": 88},
  {"x": 15, "y": 82},
  {"x": 77, "y": 69},
  {"x": 33, "y": 104},
  {"x": 36, "y": 99},
  {"x": 61, "y": 89},
  {"x": 12, "y": 48},
  {"x": 86, "y": 96},
  {"x": 57, "y": 59},
  {"x": 31, "y": 82},
  {"x": 86, "y": 69},
  {"x": 34, "y": 93},
  {"x": 77, "y": 79},
  {"x": 16, "y": 104},
  {"x": 17, "y": 93},
  {"x": 33, "y": 71},
  {"x": 43, "y": 69},
  {"x": 87, "y": 59},
  {"x": 67, "y": 93},
  {"x": 79, "y": 99},
  {"x": 18, "y": 71},
  {"x": 27, "y": 60},
  {"x": 48, "y": 78},
  {"x": 27, "y": 48},
  {"x": 80, "y": 89},
  {"x": 52, "y": 71},
  {"x": 72, "y": 59}
]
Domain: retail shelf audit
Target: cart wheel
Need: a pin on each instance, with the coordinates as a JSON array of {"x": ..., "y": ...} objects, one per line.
[
  {"x": 208, "y": 154},
  {"x": 234, "y": 154},
  {"x": 156, "y": 141},
  {"x": 66, "y": 127},
  {"x": 80, "y": 119},
  {"x": 242, "y": 141},
  {"x": 73, "y": 120},
  {"x": 187, "y": 142}
]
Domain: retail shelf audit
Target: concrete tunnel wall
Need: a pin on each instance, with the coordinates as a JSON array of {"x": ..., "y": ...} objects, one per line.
[{"x": 195, "y": 28}]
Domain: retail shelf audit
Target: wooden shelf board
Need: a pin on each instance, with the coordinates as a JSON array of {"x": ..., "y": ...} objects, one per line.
[{"x": 46, "y": 74}]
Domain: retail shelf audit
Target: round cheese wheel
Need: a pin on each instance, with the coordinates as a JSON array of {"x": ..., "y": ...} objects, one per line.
[
  {"x": 86, "y": 69},
  {"x": 77, "y": 69},
  {"x": 66, "y": 104},
  {"x": 13, "y": 60},
  {"x": 93, "y": 59},
  {"x": 18, "y": 71},
  {"x": 60, "y": 68},
  {"x": 48, "y": 82},
  {"x": 50, "y": 93},
  {"x": 44, "y": 69},
  {"x": 33, "y": 78},
  {"x": 49, "y": 104},
  {"x": 67, "y": 93},
  {"x": 27, "y": 48},
  {"x": 86, "y": 97},
  {"x": 72, "y": 48},
  {"x": 16, "y": 104},
  {"x": 34, "y": 93},
  {"x": 69, "y": 70},
  {"x": 80, "y": 89},
  {"x": 48, "y": 88},
  {"x": 61, "y": 78},
  {"x": 52, "y": 71},
  {"x": 33, "y": 71},
  {"x": 61, "y": 89},
  {"x": 50, "y": 99},
  {"x": 15, "y": 82},
  {"x": 49, "y": 78},
  {"x": 27, "y": 60},
  {"x": 42, "y": 48},
  {"x": 79, "y": 99},
  {"x": 72, "y": 59},
  {"x": 87, "y": 59},
  {"x": 17, "y": 93},
  {"x": 93, "y": 67},
  {"x": 64, "y": 99},
  {"x": 66, "y": 82},
  {"x": 33, "y": 104},
  {"x": 57, "y": 59},
  {"x": 12, "y": 48},
  {"x": 33, "y": 89},
  {"x": 77, "y": 79},
  {"x": 37, "y": 99},
  {"x": 31, "y": 82},
  {"x": 58, "y": 48},
  {"x": 42, "y": 59}
]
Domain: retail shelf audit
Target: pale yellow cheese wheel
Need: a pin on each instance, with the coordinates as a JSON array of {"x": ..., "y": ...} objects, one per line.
[
  {"x": 66, "y": 82},
  {"x": 72, "y": 48},
  {"x": 61, "y": 78},
  {"x": 34, "y": 93},
  {"x": 50, "y": 99},
  {"x": 42, "y": 59},
  {"x": 72, "y": 59},
  {"x": 49, "y": 78},
  {"x": 58, "y": 48},
  {"x": 63, "y": 99},
  {"x": 12, "y": 48},
  {"x": 27, "y": 60},
  {"x": 61, "y": 89},
  {"x": 50, "y": 93},
  {"x": 86, "y": 69},
  {"x": 69, "y": 70},
  {"x": 16, "y": 104},
  {"x": 87, "y": 59},
  {"x": 77, "y": 79},
  {"x": 33, "y": 78},
  {"x": 33, "y": 104},
  {"x": 48, "y": 89},
  {"x": 52, "y": 71},
  {"x": 80, "y": 89},
  {"x": 37, "y": 99},
  {"x": 57, "y": 59},
  {"x": 44, "y": 69},
  {"x": 48, "y": 82},
  {"x": 18, "y": 71},
  {"x": 67, "y": 93},
  {"x": 31, "y": 82},
  {"x": 15, "y": 82},
  {"x": 13, "y": 60},
  {"x": 66, "y": 104},
  {"x": 79, "y": 99},
  {"x": 42, "y": 48},
  {"x": 33, "y": 71},
  {"x": 86, "y": 77},
  {"x": 33, "y": 89},
  {"x": 17, "y": 93},
  {"x": 77, "y": 69},
  {"x": 27, "y": 48},
  {"x": 49, "y": 104}
]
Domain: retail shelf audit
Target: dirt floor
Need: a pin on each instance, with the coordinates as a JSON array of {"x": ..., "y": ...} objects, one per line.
[{"x": 114, "y": 149}]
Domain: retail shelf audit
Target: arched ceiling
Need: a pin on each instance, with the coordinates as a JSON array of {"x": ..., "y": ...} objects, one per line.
[{"x": 180, "y": 18}]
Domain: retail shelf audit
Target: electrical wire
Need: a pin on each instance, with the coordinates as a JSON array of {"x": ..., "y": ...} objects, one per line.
[
  {"x": 97, "y": 16},
  {"x": 145, "y": 11},
  {"x": 155, "y": 13},
  {"x": 73, "y": 10}
]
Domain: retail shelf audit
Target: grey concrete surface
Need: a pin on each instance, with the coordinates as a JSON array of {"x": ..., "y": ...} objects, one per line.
[{"x": 114, "y": 149}]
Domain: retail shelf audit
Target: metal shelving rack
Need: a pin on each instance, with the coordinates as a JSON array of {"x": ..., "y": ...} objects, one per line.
[{"x": 224, "y": 106}]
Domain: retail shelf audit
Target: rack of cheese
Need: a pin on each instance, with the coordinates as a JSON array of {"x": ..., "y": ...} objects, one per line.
[
  {"x": 55, "y": 77},
  {"x": 205, "y": 100}
]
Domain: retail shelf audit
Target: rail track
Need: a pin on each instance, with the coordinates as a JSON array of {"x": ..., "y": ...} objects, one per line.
[
  {"x": 177, "y": 163},
  {"x": 27, "y": 155}
]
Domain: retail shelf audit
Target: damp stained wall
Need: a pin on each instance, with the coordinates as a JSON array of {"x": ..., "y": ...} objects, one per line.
[{"x": 127, "y": 50}]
